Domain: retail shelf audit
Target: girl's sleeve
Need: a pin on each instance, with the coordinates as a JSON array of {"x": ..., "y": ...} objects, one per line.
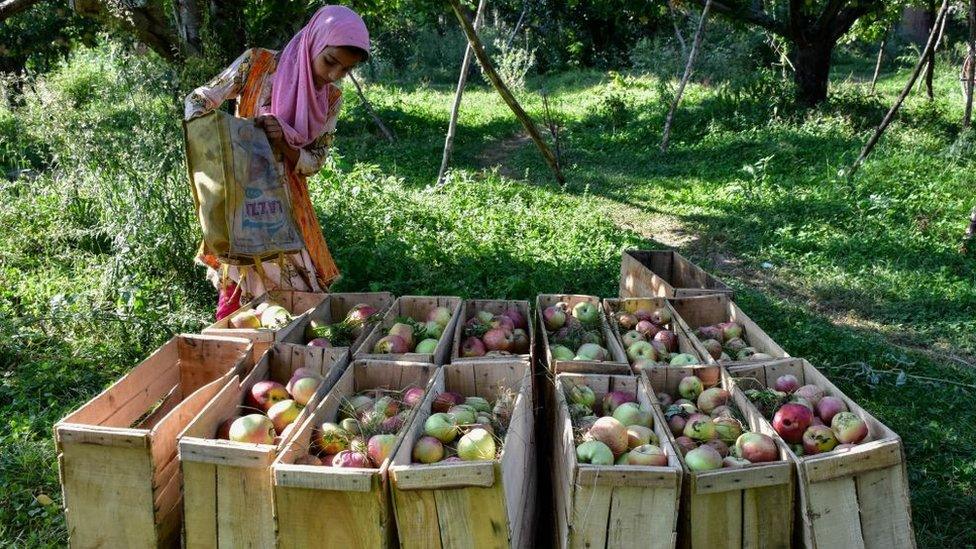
[
  {"x": 312, "y": 157},
  {"x": 226, "y": 85}
]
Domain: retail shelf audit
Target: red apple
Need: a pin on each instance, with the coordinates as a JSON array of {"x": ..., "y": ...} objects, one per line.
[
  {"x": 812, "y": 393},
  {"x": 348, "y": 458},
  {"x": 223, "y": 431},
  {"x": 554, "y": 318},
  {"x": 391, "y": 345},
  {"x": 787, "y": 383},
  {"x": 520, "y": 342},
  {"x": 379, "y": 448},
  {"x": 610, "y": 432},
  {"x": 517, "y": 319},
  {"x": 685, "y": 444},
  {"x": 615, "y": 398},
  {"x": 440, "y": 315},
  {"x": 756, "y": 447},
  {"x": 817, "y": 439},
  {"x": 472, "y": 347},
  {"x": 703, "y": 458},
  {"x": 668, "y": 338},
  {"x": 303, "y": 388},
  {"x": 405, "y": 332},
  {"x": 647, "y": 455},
  {"x": 283, "y": 414},
  {"x": 253, "y": 428},
  {"x": 498, "y": 339},
  {"x": 720, "y": 447},
  {"x": 427, "y": 450},
  {"x": 445, "y": 401},
  {"x": 790, "y": 422},
  {"x": 265, "y": 394},
  {"x": 647, "y": 329},
  {"x": 710, "y": 399},
  {"x": 413, "y": 396},
  {"x": 830, "y": 406}
]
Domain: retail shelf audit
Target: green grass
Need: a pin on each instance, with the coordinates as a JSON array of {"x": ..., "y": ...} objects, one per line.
[{"x": 862, "y": 277}]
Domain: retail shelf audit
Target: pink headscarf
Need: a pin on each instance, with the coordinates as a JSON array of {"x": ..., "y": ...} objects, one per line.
[{"x": 299, "y": 107}]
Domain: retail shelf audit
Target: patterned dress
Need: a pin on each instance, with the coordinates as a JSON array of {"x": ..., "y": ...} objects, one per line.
[{"x": 249, "y": 80}]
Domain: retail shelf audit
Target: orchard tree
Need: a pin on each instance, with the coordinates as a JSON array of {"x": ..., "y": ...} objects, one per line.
[{"x": 811, "y": 27}]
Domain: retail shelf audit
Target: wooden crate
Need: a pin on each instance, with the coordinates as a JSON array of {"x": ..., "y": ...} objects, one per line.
[
  {"x": 495, "y": 306},
  {"x": 712, "y": 309},
  {"x": 853, "y": 498},
  {"x": 334, "y": 308},
  {"x": 341, "y": 507},
  {"x": 617, "y": 365},
  {"x": 665, "y": 273},
  {"x": 227, "y": 495},
  {"x": 733, "y": 508},
  {"x": 117, "y": 453},
  {"x": 677, "y": 325},
  {"x": 415, "y": 307},
  {"x": 297, "y": 303},
  {"x": 619, "y": 505},
  {"x": 470, "y": 504}
]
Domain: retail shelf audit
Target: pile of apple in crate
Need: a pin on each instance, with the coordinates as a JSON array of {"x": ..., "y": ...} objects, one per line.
[{"x": 662, "y": 417}]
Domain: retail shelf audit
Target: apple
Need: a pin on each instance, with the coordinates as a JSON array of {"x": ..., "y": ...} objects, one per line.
[
  {"x": 594, "y": 452},
  {"x": 427, "y": 450},
  {"x": 223, "y": 431},
  {"x": 687, "y": 406},
  {"x": 685, "y": 444},
  {"x": 703, "y": 458},
  {"x": 700, "y": 427},
  {"x": 586, "y": 312},
  {"x": 611, "y": 432},
  {"x": 732, "y": 462},
  {"x": 479, "y": 404},
  {"x": 613, "y": 399},
  {"x": 440, "y": 315},
  {"x": 502, "y": 322},
  {"x": 404, "y": 331},
  {"x": 643, "y": 314},
  {"x": 721, "y": 411},
  {"x": 647, "y": 455},
  {"x": 283, "y": 414},
  {"x": 393, "y": 424},
  {"x": 791, "y": 420},
  {"x": 720, "y": 447},
  {"x": 319, "y": 342},
  {"x": 638, "y": 435},
  {"x": 441, "y": 426},
  {"x": 472, "y": 347},
  {"x": 817, "y": 439},
  {"x": 627, "y": 321},
  {"x": 647, "y": 329},
  {"x": 360, "y": 313},
  {"x": 308, "y": 459},
  {"x": 713, "y": 347},
  {"x": 275, "y": 317},
  {"x": 710, "y": 332},
  {"x": 676, "y": 423},
  {"x": 641, "y": 350},
  {"x": 246, "y": 320},
  {"x": 253, "y": 428},
  {"x": 387, "y": 406},
  {"x": 264, "y": 394},
  {"x": 517, "y": 319},
  {"x": 728, "y": 429},
  {"x": 668, "y": 338},
  {"x": 663, "y": 354},
  {"x": 849, "y": 428},
  {"x": 561, "y": 352},
  {"x": 730, "y": 330},
  {"x": 664, "y": 399},
  {"x": 332, "y": 439},
  {"x": 426, "y": 347},
  {"x": 554, "y": 318},
  {"x": 498, "y": 339},
  {"x": 830, "y": 406},
  {"x": 690, "y": 387},
  {"x": 810, "y": 392},
  {"x": 356, "y": 406},
  {"x": 630, "y": 338},
  {"x": 477, "y": 445},
  {"x": 379, "y": 448},
  {"x": 756, "y": 447},
  {"x": 445, "y": 401},
  {"x": 413, "y": 396},
  {"x": 520, "y": 342},
  {"x": 348, "y": 458},
  {"x": 787, "y": 383},
  {"x": 712, "y": 398},
  {"x": 683, "y": 359},
  {"x": 592, "y": 352},
  {"x": 801, "y": 401},
  {"x": 630, "y": 413},
  {"x": 391, "y": 345},
  {"x": 302, "y": 388},
  {"x": 433, "y": 330},
  {"x": 735, "y": 345},
  {"x": 464, "y": 414},
  {"x": 581, "y": 394}
]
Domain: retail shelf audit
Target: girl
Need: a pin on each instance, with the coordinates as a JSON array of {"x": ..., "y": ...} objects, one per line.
[{"x": 293, "y": 96}]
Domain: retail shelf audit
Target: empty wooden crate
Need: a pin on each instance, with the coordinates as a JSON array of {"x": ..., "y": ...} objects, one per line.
[
  {"x": 319, "y": 506},
  {"x": 735, "y": 508},
  {"x": 117, "y": 453},
  {"x": 416, "y": 308},
  {"x": 297, "y": 304},
  {"x": 612, "y": 506},
  {"x": 333, "y": 309},
  {"x": 848, "y": 498},
  {"x": 665, "y": 273},
  {"x": 616, "y": 361},
  {"x": 710, "y": 310},
  {"x": 227, "y": 496},
  {"x": 471, "y": 503}
]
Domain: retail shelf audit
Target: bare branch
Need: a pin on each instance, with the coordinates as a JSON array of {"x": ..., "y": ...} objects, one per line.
[{"x": 748, "y": 14}]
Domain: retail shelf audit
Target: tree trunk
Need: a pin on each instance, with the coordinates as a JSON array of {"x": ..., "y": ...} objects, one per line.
[
  {"x": 930, "y": 66},
  {"x": 687, "y": 75},
  {"x": 970, "y": 64},
  {"x": 226, "y": 23},
  {"x": 812, "y": 74},
  {"x": 188, "y": 19},
  {"x": 877, "y": 65},
  {"x": 967, "y": 240}
]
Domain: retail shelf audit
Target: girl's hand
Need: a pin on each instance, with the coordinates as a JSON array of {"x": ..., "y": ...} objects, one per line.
[{"x": 271, "y": 127}]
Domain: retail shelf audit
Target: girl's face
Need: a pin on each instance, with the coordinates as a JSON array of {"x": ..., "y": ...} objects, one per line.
[{"x": 333, "y": 64}]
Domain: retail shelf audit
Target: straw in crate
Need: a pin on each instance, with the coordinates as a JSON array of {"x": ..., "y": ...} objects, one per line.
[
  {"x": 227, "y": 497},
  {"x": 576, "y": 337},
  {"x": 267, "y": 318},
  {"x": 348, "y": 504},
  {"x": 415, "y": 329},
  {"x": 599, "y": 503},
  {"x": 650, "y": 332},
  {"x": 852, "y": 478},
  {"x": 738, "y": 489},
  {"x": 341, "y": 320},
  {"x": 465, "y": 475},
  {"x": 721, "y": 330},
  {"x": 117, "y": 453}
]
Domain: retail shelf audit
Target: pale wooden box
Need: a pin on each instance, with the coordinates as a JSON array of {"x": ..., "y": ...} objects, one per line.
[
  {"x": 665, "y": 273},
  {"x": 416, "y": 307}
]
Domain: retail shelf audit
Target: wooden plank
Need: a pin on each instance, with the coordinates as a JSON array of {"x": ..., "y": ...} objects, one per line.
[
  {"x": 886, "y": 521},
  {"x": 414, "y": 511},
  {"x": 591, "y": 516},
  {"x": 753, "y": 476},
  {"x": 767, "y": 516},
  {"x": 623, "y": 475},
  {"x": 639, "y": 516},
  {"x": 860, "y": 459},
  {"x": 454, "y": 475},
  {"x": 102, "y": 436},
  {"x": 308, "y": 517},
  {"x": 472, "y": 517},
  {"x": 637, "y": 280},
  {"x": 199, "y": 505},
  {"x": 244, "y": 507},
  {"x": 834, "y": 513},
  {"x": 718, "y": 520},
  {"x": 334, "y": 479}
]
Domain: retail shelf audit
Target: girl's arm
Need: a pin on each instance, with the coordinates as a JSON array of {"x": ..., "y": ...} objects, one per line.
[{"x": 226, "y": 85}]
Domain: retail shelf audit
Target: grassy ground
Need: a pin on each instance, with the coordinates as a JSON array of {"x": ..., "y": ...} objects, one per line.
[{"x": 861, "y": 277}]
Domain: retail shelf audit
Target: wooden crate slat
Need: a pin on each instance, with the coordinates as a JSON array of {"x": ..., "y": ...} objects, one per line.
[{"x": 665, "y": 273}]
